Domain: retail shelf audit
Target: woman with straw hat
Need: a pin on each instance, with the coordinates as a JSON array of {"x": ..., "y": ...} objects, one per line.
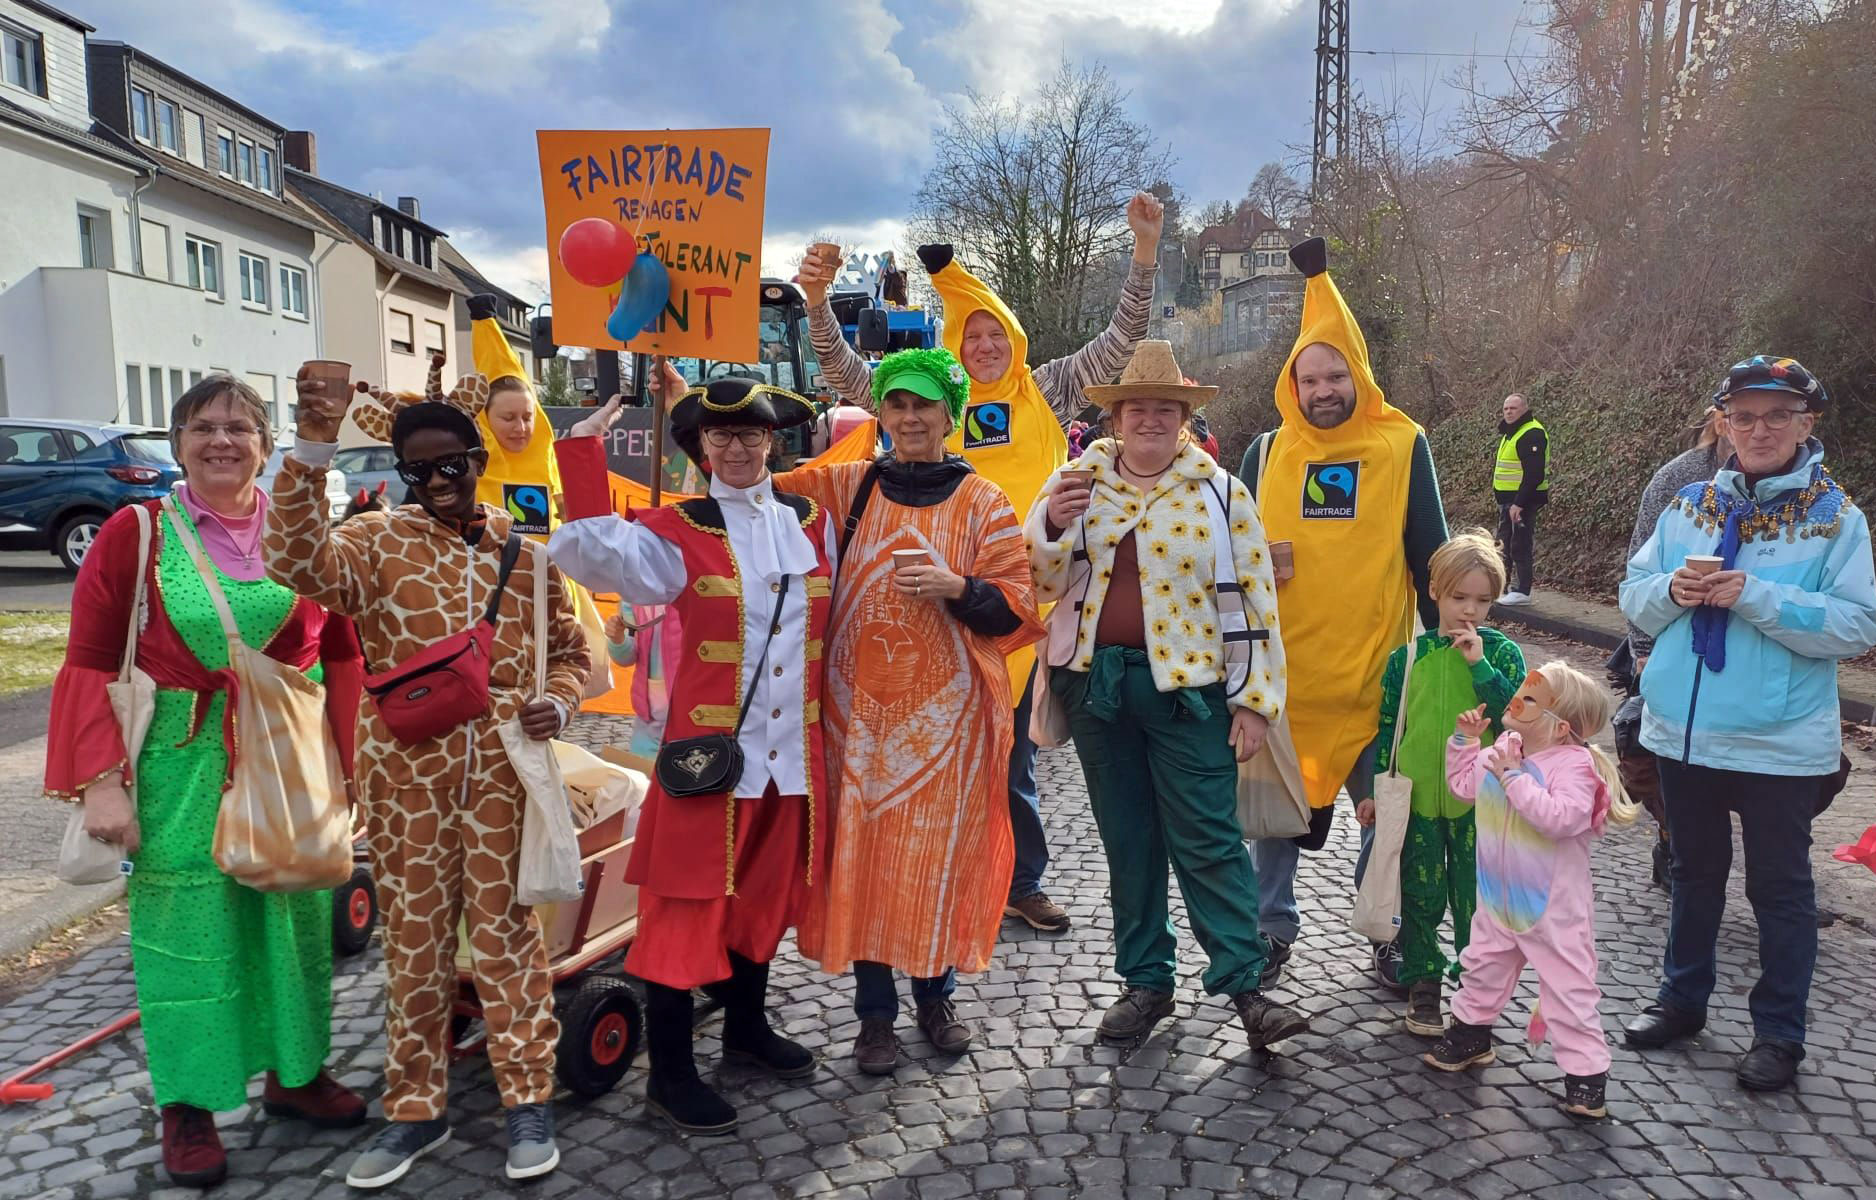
[{"x": 1165, "y": 659}]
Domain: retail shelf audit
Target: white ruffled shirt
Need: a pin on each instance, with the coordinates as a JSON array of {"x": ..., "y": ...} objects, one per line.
[{"x": 611, "y": 554}]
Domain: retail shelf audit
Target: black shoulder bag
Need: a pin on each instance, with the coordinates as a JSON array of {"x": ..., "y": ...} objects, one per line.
[{"x": 713, "y": 762}]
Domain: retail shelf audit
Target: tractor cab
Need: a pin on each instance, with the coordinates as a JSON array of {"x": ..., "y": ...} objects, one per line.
[{"x": 784, "y": 359}]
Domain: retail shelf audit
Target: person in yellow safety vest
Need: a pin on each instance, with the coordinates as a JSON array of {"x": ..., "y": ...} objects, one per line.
[
  {"x": 1521, "y": 481},
  {"x": 1012, "y": 434}
]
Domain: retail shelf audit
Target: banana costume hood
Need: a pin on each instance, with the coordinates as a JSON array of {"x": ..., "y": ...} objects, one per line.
[
  {"x": 521, "y": 483},
  {"x": 1009, "y": 433},
  {"x": 1339, "y": 496}
]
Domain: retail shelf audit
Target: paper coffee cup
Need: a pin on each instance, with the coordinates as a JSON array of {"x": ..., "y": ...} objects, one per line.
[
  {"x": 1704, "y": 564},
  {"x": 902, "y": 559},
  {"x": 336, "y": 375},
  {"x": 1282, "y": 561},
  {"x": 827, "y": 252},
  {"x": 1081, "y": 475}
]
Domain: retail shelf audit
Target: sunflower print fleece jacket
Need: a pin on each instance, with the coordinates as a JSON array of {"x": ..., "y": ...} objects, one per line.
[{"x": 1178, "y": 563}]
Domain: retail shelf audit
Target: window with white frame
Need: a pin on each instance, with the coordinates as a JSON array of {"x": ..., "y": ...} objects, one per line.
[
  {"x": 292, "y": 291},
  {"x": 244, "y": 161},
  {"x": 204, "y": 258},
  {"x": 154, "y": 407},
  {"x": 253, "y": 279},
  {"x": 433, "y": 339},
  {"x": 225, "y": 151},
  {"x": 403, "y": 336},
  {"x": 94, "y": 237},
  {"x": 168, "y": 127},
  {"x": 22, "y": 59},
  {"x": 141, "y": 117},
  {"x": 266, "y": 173},
  {"x": 133, "y": 392}
]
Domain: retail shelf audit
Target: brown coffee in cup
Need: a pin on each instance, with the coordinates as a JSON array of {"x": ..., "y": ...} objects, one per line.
[
  {"x": 336, "y": 375},
  {"x": 1704, "y": 564},
  {"x": 1282, "y": 561}
]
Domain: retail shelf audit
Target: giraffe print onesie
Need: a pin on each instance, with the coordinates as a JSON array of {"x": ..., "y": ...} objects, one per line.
[{"x": 443, "y": 817}]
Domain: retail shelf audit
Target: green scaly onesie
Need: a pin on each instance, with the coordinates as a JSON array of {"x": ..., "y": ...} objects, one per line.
[
  {"x": 231, "y": 981},
  {"x": 1438, "y": 862}
]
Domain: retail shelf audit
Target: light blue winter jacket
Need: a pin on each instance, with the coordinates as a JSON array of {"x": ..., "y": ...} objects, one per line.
[{"x": 1810, "y": 599}]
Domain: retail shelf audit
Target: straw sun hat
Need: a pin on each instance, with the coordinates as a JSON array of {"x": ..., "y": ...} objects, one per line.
[{"x": 1151, "y": 374}]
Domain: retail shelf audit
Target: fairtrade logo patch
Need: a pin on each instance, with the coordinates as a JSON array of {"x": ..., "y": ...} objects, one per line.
[
  {"x": 986, "y": 425},
  {"x": 1329, "y": 491},
  {"x": 527, "y": 504}
]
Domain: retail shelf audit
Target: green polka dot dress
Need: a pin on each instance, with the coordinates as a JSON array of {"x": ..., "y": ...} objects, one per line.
[{"x": 231, "y": 981}]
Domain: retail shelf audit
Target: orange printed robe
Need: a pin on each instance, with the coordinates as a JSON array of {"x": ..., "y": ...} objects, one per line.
[{"x": 918, "y": 727}]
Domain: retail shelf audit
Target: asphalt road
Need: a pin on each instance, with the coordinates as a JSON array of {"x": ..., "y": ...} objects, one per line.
[{"x": 33, "y": 579}]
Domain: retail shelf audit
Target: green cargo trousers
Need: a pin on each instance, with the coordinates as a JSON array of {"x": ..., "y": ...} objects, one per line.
[{"x": 1163, "y": 781}]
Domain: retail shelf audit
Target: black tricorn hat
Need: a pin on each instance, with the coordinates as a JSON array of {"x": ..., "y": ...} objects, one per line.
[{"x": 734, "y": 401}]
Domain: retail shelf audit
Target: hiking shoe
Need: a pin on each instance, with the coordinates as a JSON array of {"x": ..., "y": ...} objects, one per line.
[
  {"x": 1266, "y": 1021},
  {"x": 1276, "y": 957},
  {"x": 942, "y": 1026},
  {"x": 1423, "y": 1008},
  {"x": 192, "y": 1151},
  {"x": 1660, "y": 1024},
  {"x": 391, "y": 1154},
  {"x": 876, "y": 1049},
  {"x": 324, "y": 1103},
  {"x": 1387, "y": 968},
  {"x": 1462, "y": 1046},
  {"x": 1134, "y": 1014},
  {"x": 1770, "y": 1065},
  {"x": 531, "y": 1147},
  {"x": 1039, "y": 911},
  {"x": 1582, "y": 1096}
]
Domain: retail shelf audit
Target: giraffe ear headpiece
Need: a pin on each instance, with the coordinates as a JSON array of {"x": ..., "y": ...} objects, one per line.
[{"x": 470, "y": 396}]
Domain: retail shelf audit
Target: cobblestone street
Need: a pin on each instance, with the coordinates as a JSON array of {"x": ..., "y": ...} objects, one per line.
[{"x": 1041, "y": 1110}]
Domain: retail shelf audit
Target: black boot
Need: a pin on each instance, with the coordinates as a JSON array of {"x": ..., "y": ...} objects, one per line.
[
  {"x": 747, "y": 1037},
  {"x": 674, "y": 1091}
]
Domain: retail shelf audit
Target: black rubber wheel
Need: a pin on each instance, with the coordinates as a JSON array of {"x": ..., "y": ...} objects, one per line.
[
  {"x": 600, "y": 1031},
  {"x": 74, "y": 537},
  {"x": 354, "y": 913}
]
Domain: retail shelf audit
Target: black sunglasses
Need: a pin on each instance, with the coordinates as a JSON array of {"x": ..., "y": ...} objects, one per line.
[{"x": 449, "y": 466}]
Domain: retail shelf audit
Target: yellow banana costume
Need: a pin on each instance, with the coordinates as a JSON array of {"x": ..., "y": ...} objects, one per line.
[
  {"x": 522, "y": 483},
  {"x": 1009, "y": 433},
  {"x": 1340, "y": 497}
]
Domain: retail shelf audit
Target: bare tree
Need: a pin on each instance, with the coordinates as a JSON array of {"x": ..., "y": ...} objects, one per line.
[
  {"x": 1034, "y": 196},
  {"x": 1276, "y": 194}
]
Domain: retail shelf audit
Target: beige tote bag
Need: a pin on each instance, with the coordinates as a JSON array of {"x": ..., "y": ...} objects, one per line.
[
  {"x": 1377, "y": 903},
  {"x": 83, "y": 858},
  {"x": 284, "y": 825},
  {"x": 549, "y": 868}
]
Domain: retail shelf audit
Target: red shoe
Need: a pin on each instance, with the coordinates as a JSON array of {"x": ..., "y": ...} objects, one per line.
[
  {"x": 192, "y": 1152},
  {"x": 324, "y": 1102}
]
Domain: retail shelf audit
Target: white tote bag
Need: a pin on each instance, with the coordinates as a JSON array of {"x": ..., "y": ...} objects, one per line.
[
  {"x": 1271, "y": 799},
  {"x": 1377, "y": 903},
  {"x": 549, "y": 868},
  {"x": 83, "y": 858}
]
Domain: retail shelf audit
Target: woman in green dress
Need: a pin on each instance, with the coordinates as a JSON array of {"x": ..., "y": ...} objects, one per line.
[{"x": 231, "y": 982}]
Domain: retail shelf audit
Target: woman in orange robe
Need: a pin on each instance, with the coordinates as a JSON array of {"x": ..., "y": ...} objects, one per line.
[{"x": 919, "y": 712}]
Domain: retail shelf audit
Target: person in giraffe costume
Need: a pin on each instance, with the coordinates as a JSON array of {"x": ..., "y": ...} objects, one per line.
[{"x": 443, "y": 815}]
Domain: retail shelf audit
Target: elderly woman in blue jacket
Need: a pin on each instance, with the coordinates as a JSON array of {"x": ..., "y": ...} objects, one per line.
[{"x": 1741, "y": 698}]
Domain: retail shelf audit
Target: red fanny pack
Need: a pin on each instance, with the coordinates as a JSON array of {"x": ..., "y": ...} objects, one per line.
[{"x": 447, "y": 685}]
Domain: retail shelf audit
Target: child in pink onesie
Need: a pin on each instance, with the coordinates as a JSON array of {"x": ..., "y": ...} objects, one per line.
[{"x": 1541, "y": 794}]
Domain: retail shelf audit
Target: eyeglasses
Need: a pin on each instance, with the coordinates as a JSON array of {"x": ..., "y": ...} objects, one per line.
[
  {"x": 1778, "y": 418},
  {"x": 234, "y": 430},
  {"x": 449, "y": 466},
  {"x": 750, "y": 438}
]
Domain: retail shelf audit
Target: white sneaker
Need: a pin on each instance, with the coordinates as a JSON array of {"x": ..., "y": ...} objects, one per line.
[{"x": 1514, "y": 598}]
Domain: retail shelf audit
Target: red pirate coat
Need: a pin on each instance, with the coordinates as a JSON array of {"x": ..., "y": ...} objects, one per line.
[{"x": 686, "y": 844}]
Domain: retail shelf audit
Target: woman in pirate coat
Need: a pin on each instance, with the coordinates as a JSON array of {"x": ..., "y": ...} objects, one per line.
[{"x": 721, "y": 876}]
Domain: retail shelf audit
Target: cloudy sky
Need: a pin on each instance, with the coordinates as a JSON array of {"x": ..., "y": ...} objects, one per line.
[{"x": 441, "y": 99}]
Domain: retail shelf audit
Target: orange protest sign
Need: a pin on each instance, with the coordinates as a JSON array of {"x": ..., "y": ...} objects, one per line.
[{"x": 693, "y": 198}]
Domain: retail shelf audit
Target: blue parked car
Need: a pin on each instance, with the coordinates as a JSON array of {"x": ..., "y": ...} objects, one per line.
[{"x": 60, "y": 480}]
